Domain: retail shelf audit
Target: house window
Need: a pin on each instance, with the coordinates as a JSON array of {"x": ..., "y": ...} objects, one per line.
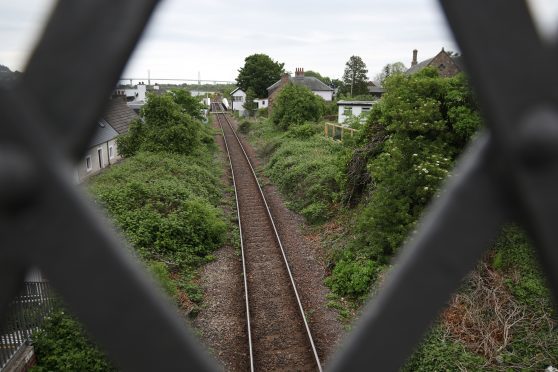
[
  {"x": 111, "y": 152},
  {"x": 88, "y": 163},
  {"x": 348, "y": 111},
  {"x": 366, "y": 109},
  {"x": 238, "y": 98}
]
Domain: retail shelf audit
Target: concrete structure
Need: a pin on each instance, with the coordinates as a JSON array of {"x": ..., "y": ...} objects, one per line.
[
  {"x": 310, "y": 82},
  {"x": 238, "y": 100},
  {"x": 347, "y": 109},
  {"x": 446, "y": 65}
]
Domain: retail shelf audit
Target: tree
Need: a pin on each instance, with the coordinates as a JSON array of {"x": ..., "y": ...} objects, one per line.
[
  {"x": 296, "y": 105},
  {"x": 354, "y": 78},
  {"x": 164, "y": 127},
  {"x": 190, "y": 105},
  {"x": 388, "y": 70},
  {"x": 250, "y": 105},
  {"x": 259, "y": 72}
]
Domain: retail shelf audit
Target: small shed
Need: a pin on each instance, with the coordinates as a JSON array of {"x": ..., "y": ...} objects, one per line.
[{"x": 347, "y": 109}]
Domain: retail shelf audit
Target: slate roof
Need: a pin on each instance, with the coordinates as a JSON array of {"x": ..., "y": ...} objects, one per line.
[
  {"x": 119, "y": 115},
  {"x": 104, "y": 133},
  {"x": 419, "y": 66},
  {"x": 310, "y": 82}
]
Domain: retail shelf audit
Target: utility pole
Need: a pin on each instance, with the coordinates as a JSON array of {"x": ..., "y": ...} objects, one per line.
[{"x": 148, "y": 77}]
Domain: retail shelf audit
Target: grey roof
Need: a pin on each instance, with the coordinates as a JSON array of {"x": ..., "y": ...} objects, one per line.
[
  {"x": 310, "y": 82},
  {"x": 104, "y": 133},
  {"x": 119, "y": 115},
  {"x": 355, "y": 103},
  {"x": 419, "y": 66},
  {"x": 375, "y": 89}
]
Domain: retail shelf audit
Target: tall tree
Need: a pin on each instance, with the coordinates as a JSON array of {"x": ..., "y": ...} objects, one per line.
[
  {"x": 355, "y": 77},
  {"x": 259, "y": 72}
]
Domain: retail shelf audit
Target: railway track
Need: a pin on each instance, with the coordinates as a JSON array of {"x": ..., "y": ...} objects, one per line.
[{"x": 279, "y": 337}]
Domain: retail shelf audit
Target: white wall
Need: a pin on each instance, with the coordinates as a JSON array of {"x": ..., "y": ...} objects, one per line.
[
  {"x": 262, "y": 103},
  {"x": 238, "y": 105},
  {"x": 326, "y": 95},
  {"x": 355, "y": 111}
]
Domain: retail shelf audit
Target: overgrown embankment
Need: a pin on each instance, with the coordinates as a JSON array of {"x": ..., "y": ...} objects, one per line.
[
  {"x": 165, "y": 198},
  {"x": 366, "y": 197}
]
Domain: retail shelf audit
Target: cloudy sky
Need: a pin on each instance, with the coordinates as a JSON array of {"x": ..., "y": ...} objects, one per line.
[{"x": 213, "y": 37}]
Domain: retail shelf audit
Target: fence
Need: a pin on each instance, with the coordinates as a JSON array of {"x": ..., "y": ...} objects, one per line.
[
  {"x": 24, "y": 316},
  {"x": 337, "y": 132}
]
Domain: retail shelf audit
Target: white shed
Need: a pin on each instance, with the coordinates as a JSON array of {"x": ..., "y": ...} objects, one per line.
[{"x": 347, "y": 109}]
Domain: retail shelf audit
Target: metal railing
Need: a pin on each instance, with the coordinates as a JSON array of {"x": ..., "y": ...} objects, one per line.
[
  {"x": 24, "y": 316},
  {"x": 509, "y": 174}
]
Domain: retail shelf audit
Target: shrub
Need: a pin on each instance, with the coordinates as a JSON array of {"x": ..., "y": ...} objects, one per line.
[
  {"x": 352, "y": 277},
  {"x": 304, "y": 131},
  {"x": 63, "y": 345},
  {"x": 296, "y": 105}
]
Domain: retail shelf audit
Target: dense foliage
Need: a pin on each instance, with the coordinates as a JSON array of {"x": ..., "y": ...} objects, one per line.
[
  {"x": 295, "y": 105},
  {"x": 168, "y": 124},
  {"x": 258, "y": 73},
  {"x": 63, "y": 345}
]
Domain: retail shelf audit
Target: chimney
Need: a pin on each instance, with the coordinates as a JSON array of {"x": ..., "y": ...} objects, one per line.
[
  {"x": 299, "y": 72},
  {"x": 415, "y": 55}
]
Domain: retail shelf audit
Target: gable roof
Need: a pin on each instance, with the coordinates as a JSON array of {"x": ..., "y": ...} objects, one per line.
[
  {"x": 119, "y": 115},
  {"x": 419, "y": 66},
  {"x": 236, "y": 90},
  {"x": 310, "y": 82},
  {"x": 104, "y": 133}
]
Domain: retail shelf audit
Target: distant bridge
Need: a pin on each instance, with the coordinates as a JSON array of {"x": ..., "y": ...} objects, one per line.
[{"x": 195, "y": 81}]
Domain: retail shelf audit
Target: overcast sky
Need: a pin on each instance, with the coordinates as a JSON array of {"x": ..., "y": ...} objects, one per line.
[{"x": 214, "y": 36}]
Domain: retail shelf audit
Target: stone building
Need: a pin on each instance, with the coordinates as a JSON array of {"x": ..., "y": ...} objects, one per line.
[{"x": 446, "y": 64}]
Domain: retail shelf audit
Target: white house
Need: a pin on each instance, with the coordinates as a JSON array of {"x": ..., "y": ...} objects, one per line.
[
  {"x": 103, "y": 149},
  {"x": 347, "y": 109},
  {"x": 310, "y": 82},
  {"x": 238, "y": 100},
  {"x": 136, "y": 96}
]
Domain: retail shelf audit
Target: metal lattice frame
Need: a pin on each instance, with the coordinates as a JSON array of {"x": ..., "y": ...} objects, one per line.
[{"x": 509, "y": 175}]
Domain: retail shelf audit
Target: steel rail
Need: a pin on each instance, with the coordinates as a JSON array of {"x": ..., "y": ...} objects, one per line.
[
  {"x": 244, "y": 274},
  {"x": 277, "y": 237}
]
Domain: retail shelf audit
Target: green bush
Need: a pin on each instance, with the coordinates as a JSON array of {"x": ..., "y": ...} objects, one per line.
[
  {"x": 63, "y": 345},
  {"x": 352, "y": 277},
  {"x": 161, "y": 273},
  {"x": 304, "y": 131},
  {"x": 296, "y": 105},
  {"x": 166, "y": 205},
  {"x": 307, "y": 171}
]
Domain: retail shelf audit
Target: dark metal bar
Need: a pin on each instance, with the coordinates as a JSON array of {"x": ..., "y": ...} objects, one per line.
[{"x": 80, "y": 57}]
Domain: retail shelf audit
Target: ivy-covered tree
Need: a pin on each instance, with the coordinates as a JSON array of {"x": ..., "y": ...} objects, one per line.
[
  {"x": 406, "y": 149},
  {"x": 354, "y": 77},
  {"x": 296, "y": 105},
  {"x": 259, "y": 72}
]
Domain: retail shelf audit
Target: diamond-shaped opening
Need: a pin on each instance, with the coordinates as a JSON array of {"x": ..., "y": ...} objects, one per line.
[{"x": 545, "y": 15}]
